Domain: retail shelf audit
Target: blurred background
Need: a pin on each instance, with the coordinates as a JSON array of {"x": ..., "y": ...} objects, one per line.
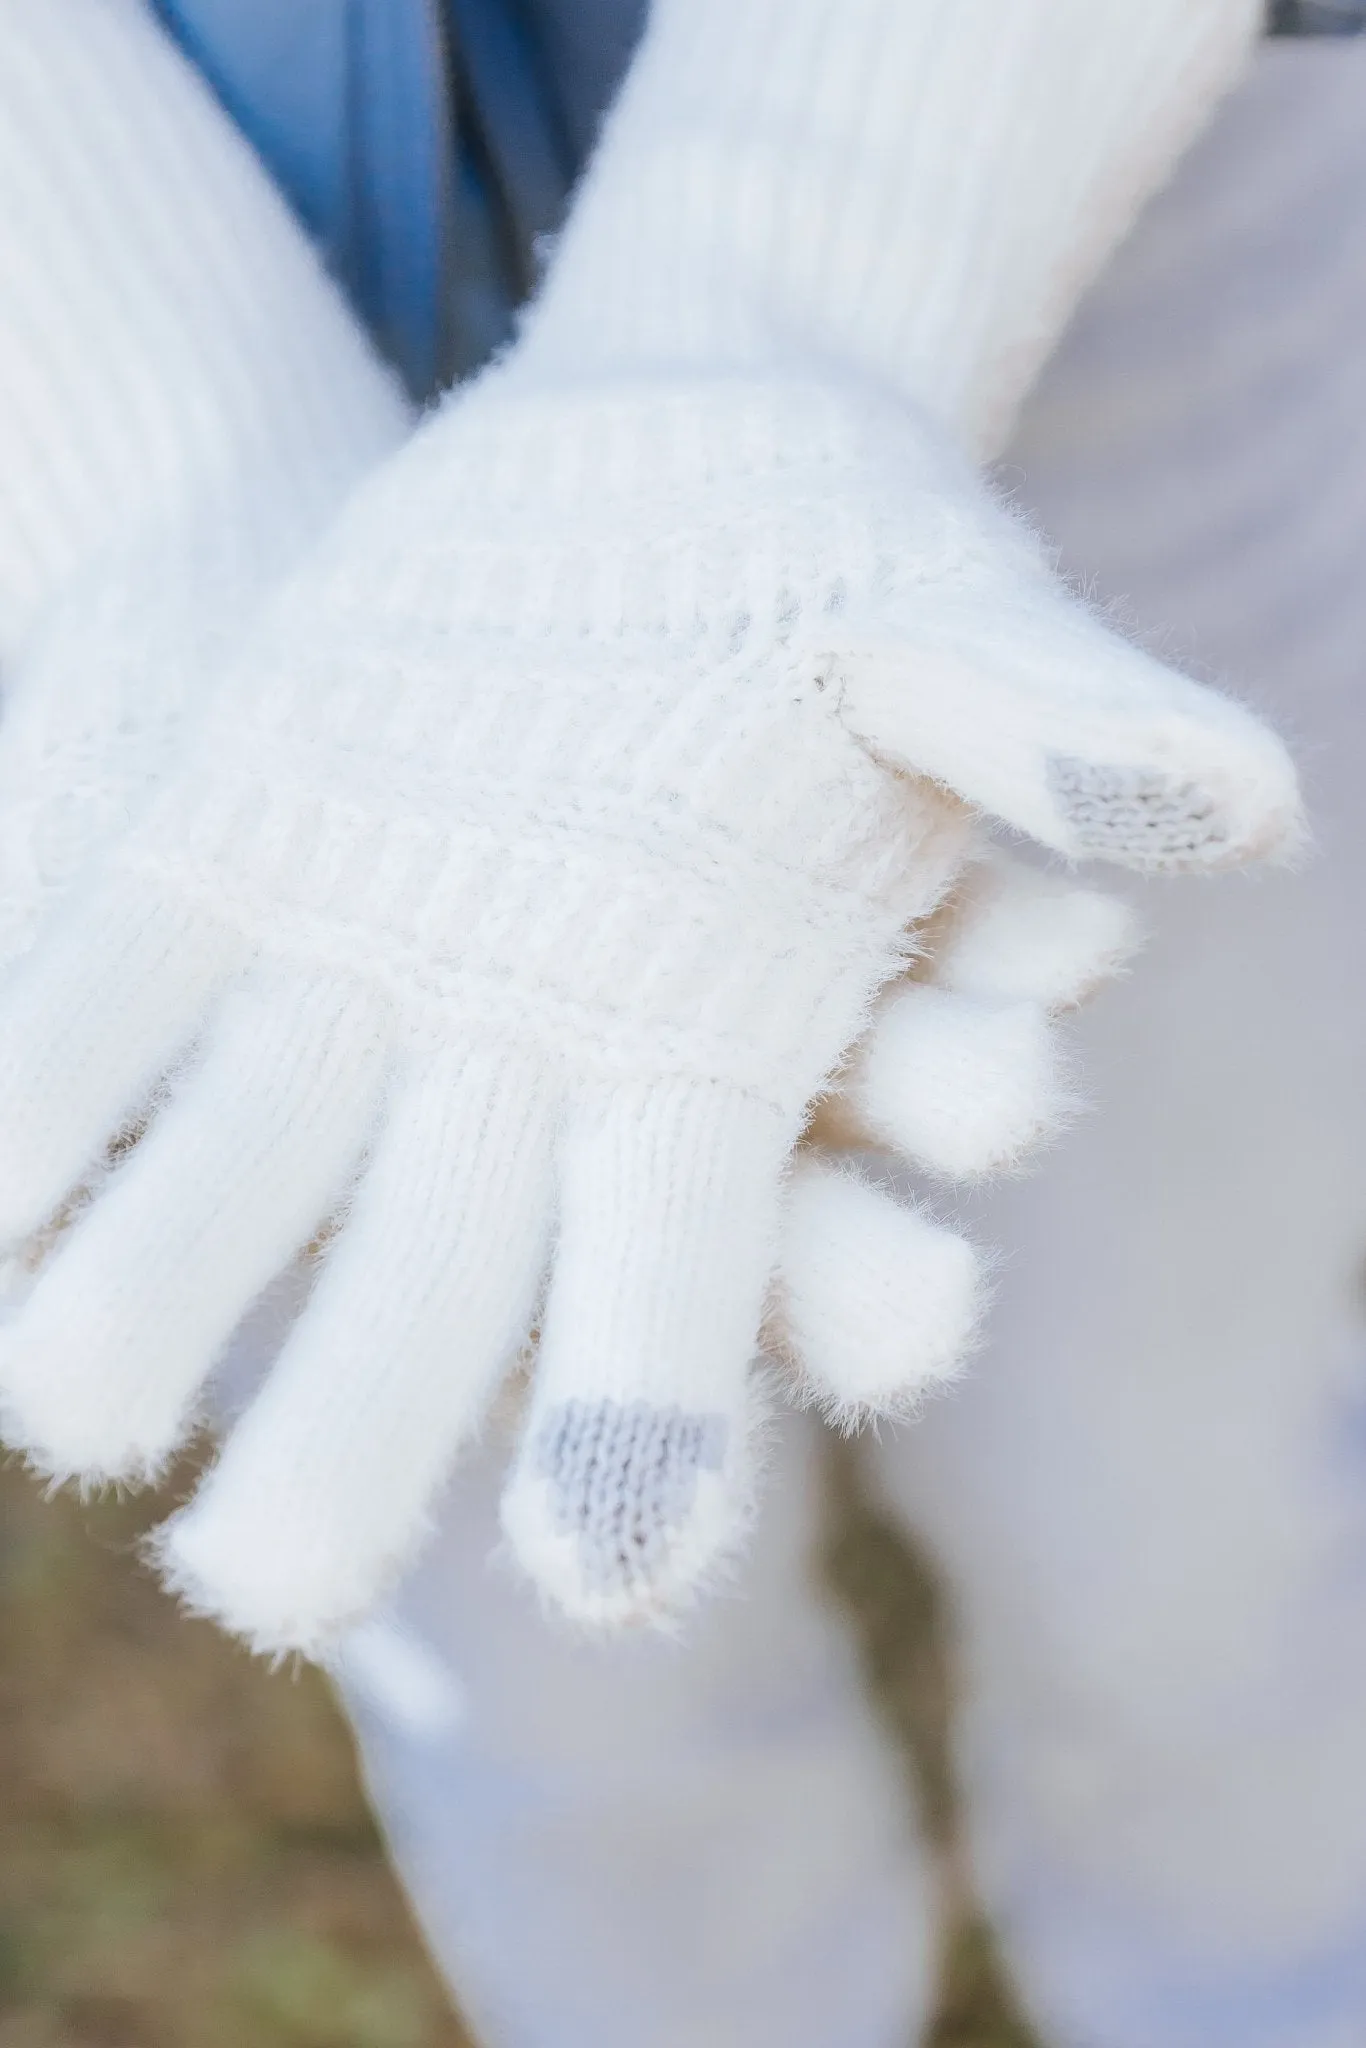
[{"x": 186, "y": 1858}]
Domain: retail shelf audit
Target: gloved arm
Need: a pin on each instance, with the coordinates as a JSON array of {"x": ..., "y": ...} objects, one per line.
[
  {"x": 555, "y": 848},
  {"x": 911, "y": 197},
  {"x": 915, "y": 191},
  {"x": 184, "y": 402},
  {"x": 922, "y": 192}
]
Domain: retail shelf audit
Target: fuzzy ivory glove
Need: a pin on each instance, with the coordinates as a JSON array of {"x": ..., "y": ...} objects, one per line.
[
  {"x": 537, "y": 864},
  {"x": 552, "y": 870}
]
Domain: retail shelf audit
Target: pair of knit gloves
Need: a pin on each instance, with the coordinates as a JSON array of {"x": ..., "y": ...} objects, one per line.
[{"x": 482, "y": 878}]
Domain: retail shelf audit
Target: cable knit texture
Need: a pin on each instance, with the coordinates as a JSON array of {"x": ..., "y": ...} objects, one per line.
[
  {"x": 548, "y": 840},
  {"x": 605, "y": 802}
]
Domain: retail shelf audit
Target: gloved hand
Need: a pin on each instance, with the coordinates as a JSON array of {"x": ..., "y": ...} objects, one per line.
[
  {"x": 652, "y": 1561},
  {"x": 549, "y": 844}
]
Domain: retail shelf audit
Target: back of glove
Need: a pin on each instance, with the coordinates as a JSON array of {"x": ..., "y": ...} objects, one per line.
[
  {"x": 526, "y": 889},
  {"x": 575, "y": 802}
]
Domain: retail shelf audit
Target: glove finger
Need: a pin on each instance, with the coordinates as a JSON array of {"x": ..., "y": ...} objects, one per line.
[
  {"x": 88, "y": 1024},
  {"x": 876, "y": 1303},
  {"x": 960, "y": 1070},
  {"x": 1028, "y": 707},
  {"x": 635, "y": 1474},
  {"x": 323, "y": 1490},
  {"x": 1013, "y": 933},
  {"x": 960, "y": 1086},
  {"x": 99, "y": 1372}
]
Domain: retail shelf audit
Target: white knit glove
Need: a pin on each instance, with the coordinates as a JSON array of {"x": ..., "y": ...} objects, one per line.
[
  {"x": 182, "y": 400},
  {"x": 544, "y": 875},
  {"x": 548, "y": 837}
]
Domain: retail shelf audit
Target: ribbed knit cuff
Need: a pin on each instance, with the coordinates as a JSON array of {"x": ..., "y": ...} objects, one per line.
[
  {"x": 165, "y": 327},
  {"x": 914, "y": 189}
]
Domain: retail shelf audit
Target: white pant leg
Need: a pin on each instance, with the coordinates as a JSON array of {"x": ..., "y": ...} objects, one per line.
[
  {"x": 699, "y": 1844},
  {"x": 1151, "y": 1491}
]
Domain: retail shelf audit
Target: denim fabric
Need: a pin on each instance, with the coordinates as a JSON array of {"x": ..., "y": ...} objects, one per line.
[
  {"x": 428, "y": 145},
  {"x": 1317, "y": 17}
]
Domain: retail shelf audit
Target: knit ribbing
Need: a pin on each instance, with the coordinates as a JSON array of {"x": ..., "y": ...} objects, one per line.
[
  {"x": 166, "y": 331},
  {"x": 184, "y": 401},
  {"x": 917, "y": 189}
]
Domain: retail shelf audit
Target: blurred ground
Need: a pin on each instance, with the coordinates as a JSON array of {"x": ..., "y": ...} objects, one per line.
[
  {"x": 898, "y": 1610},
  {"x": 185, "y": 1858}
]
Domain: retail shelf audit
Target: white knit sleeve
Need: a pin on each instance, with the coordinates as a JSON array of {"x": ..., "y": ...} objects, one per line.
[
  {"x": 915, "y": 189},
  {"x": 185, "y": 399},
  {"x": 166, "y": 331}
]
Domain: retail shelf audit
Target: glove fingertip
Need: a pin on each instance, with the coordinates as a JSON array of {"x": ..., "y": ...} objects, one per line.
[
  {"x": 963, "y": 1087},
  {"x": 283, "y": 1592},
  {"x": 1018, "y": 934},
  {"x": 1220, "y": 791},
  {"x": 623, "y": 1518},
  {"x": 880, "y": 1305},
  {"x": 71, "y": 1424}
]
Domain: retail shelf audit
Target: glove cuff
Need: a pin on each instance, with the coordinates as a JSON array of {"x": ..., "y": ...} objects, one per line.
[
  {"x": 919, "y": 189},
  {"x": 167, "y": 331}
]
